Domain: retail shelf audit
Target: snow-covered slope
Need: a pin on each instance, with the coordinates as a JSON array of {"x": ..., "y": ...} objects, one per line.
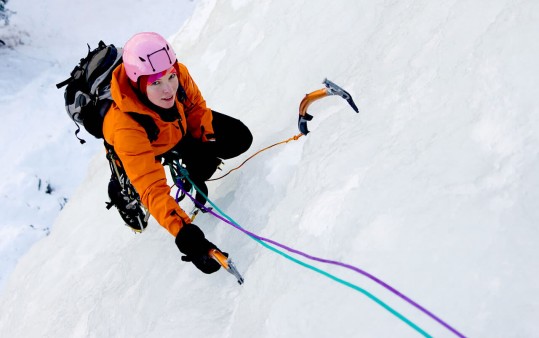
[{"x": 432, "y": 187}]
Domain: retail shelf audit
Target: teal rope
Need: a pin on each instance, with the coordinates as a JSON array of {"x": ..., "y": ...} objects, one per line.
[{"x": 308, "y": 266}]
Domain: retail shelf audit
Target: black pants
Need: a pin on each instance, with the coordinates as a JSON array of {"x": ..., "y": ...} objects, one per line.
[{"x": 201, "y": 159}]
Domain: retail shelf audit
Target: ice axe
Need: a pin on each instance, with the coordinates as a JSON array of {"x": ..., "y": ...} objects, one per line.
[
  {"x": 331, "y": 89},
  {"x": 226, "y": 263}
]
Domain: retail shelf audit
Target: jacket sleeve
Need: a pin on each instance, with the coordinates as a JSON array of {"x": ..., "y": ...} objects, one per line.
[
  {"x": 199, "y": 117},
  {"x": 148, "y": 177}
]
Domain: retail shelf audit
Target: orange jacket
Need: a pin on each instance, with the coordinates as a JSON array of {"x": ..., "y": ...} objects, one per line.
[{"x": 137, "y": 154}]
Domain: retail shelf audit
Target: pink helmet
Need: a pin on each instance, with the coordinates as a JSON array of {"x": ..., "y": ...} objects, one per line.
[{"x": 146, "y": 54}]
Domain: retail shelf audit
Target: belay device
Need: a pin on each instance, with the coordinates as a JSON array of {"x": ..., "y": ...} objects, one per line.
[{"x": 331, "y": 89}]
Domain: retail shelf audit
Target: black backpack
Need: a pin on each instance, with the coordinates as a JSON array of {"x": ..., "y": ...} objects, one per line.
[{"x": 87, "y": 95}]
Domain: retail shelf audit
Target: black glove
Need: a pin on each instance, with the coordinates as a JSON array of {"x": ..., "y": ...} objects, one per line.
[{"x": 192, "y": 243}]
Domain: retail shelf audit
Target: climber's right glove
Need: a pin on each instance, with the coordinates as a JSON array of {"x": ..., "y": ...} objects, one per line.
[{"x": 194, "y": 245}]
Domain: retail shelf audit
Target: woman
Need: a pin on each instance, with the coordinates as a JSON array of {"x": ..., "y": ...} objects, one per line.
[{"x": 151, "y": 83}]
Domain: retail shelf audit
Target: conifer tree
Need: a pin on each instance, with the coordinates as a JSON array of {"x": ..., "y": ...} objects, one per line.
[{"x": 4, "y": 12}]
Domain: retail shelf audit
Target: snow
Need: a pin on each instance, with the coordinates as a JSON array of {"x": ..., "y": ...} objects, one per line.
[{"x": 431, "y": 188}]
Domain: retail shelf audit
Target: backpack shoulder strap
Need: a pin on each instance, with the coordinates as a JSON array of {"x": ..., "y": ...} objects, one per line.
[{"x": 147, "y": 123}]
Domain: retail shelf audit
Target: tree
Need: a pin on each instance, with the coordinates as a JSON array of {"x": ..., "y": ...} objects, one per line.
[{"x": 4, "y": 12}]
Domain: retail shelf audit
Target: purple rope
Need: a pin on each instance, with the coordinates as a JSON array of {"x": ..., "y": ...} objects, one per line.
[{"x": 323, "y": 260}]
